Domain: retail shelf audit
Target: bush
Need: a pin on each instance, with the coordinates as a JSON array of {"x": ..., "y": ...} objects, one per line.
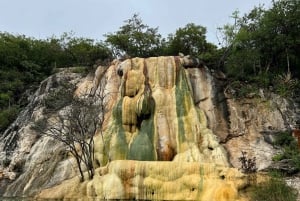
[
  {"x": 284, "y": 139},
  {"x": 275, "y": 189},
  {"x": 59, "y": 97},
  {"x": 290, "y": 149},
  {"x": 285, "y": 86},
  {"x": 80, "y": 70},
  {"x": 248, "y": 165},
  {"x": 7, "y": 116},
  {"x": 243, "y": 89}
]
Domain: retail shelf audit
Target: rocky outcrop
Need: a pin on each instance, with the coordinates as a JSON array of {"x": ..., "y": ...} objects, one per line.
[
  {"x": 254, "y": 123},
  {"x": 31, "y": 162},
  {"x": 169, "y": 110}
]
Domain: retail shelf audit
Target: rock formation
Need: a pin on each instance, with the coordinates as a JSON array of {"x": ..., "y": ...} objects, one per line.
[
  {"x": 155, "y": 117},
  {"x": 144, "y": 180},
  {"x": 170, "y": 132},
  {"x": 254, "y": 125}
]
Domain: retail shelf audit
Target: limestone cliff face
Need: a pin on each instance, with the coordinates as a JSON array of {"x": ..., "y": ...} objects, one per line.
[
  {"x": 29, "y": 162},
  {"x": 254, "y": 123},
  {"x": 168, "y": 110}
]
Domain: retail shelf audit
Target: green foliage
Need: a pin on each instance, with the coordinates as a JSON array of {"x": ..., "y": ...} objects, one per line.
[
  {"x": 189, "y": 40},
  {"x": 290, "y": 149},
  {"x": 59, "y": 97},
  {"x": 274, "y": 189},
  {"x": 286, "y": 86},
  {"x": 24, "y": 62},
  {"x": 78, "y": 51},
  {"x": 277, "y": 157},
  {"x": 285, "y": 139},
  {"x": 7, "y": 116},
  {"x": 265, "y": 43},
  {"x": 80, "y": 70},
  {"x": 289, "y": 153},
  {"x": 135, "y": 39},
  {"x": 241, "y": 89}
]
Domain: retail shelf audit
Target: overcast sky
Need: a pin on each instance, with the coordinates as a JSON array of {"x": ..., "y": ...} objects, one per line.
[{"x": 93, "y": 18}]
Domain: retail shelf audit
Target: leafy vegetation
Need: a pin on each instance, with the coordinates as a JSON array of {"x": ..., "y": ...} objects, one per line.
[
  {"x": 24, "y": 62},
  {"x": 274, "y": 189},
  {"x": 290, "y": 149},
  {"x": 135, "y": 39},
  {"x": 59, "y": 98},
  {"x": 264, "y": 44}
]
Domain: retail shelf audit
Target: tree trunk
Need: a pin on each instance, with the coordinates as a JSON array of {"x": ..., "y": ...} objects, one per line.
[
  {"x": 287, "y": 61},
  {"x": 79, "y": 168}
]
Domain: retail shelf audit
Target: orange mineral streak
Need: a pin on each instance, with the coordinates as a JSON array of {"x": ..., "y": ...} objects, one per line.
[{"x": 296, "y": 134}]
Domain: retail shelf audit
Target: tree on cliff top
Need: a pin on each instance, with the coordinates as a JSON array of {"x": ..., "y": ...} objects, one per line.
[
  {"x": 191, "y": 40},
  {"x": 135, "y": 39},
  {"x": 264, "y": 43}
]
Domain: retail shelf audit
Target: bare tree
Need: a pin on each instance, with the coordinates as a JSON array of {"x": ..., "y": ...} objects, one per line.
[{"x": 75, "y": 126}]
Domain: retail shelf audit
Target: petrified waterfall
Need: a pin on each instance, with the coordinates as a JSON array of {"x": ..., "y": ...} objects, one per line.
[
  {"x": 167, "y": 122},
  {"x": 155, "y": 117},
  {"x": 156, "y": 143}
]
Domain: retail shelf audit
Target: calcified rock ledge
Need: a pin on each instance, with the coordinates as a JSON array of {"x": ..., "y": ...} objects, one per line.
[{"x": 154, "y": 181}]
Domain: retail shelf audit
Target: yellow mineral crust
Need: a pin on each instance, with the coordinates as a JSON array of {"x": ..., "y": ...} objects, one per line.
[
  {"x": 155, "y": 180},
  {"x": 156, "y": 144},
  {"x": 156, "y": 100}
]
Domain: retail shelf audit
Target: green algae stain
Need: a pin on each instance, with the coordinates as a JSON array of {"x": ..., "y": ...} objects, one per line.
[
  {"x": 116, "y": 140},
  {"x": 141, "y": 148},
  {"x": 180, "y": 110},
  {"x": 183, "y": 105}
]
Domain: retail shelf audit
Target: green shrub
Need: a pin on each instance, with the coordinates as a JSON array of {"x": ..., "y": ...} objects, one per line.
[
  {"x": 284, "y": 139},
  {"x": 59, "y": 97},
  {"x": 285, "y": 85},
  {"x": 289, "y": 147},
  {"x": 80, "y": 70},
  {"x": 277, "y": 157},
  {"x": 261, "y": 80},
  {"x": 274, "y": 189},
  {"x": 243, "y": 89},
  {"x": 7, "y": 116}
]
